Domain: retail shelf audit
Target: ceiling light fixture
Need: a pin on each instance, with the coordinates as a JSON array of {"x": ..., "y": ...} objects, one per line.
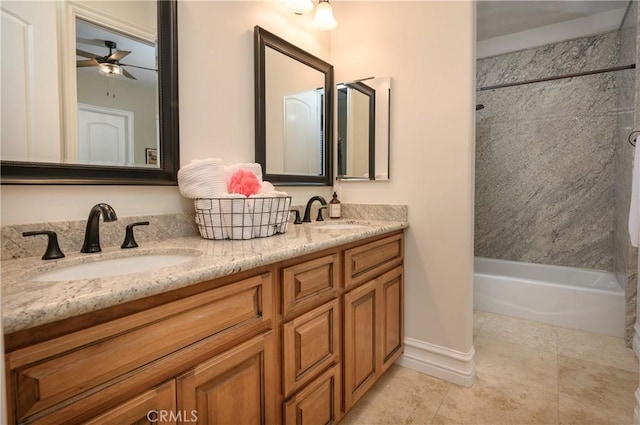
[
  {"x": 109, "y": 69},
  {"x": 324, "y": 19}
]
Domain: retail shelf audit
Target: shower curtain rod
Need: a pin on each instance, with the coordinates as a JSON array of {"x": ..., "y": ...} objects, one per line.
[{"x": 559, "y": 77}]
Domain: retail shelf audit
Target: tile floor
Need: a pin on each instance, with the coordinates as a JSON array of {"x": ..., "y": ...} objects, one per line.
[{"x": 526, "y": 373}]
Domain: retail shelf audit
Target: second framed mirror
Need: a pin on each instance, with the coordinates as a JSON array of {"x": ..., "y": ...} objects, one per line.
[
  {"x": 363, "y": 111},
  {"x": 293, "y": 112}
]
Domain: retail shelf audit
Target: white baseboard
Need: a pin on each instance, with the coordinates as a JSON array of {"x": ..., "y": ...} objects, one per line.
[
  {"x": 636, "y": 340},
  {"x": 636, "y": 411},
  {"x": 444, "y": 363}
]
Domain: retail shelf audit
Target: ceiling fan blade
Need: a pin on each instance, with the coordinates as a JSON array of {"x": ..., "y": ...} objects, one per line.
[
  {"x": 128, "y": 74},
  {"x": 86, "y": 54},
  {"x": 139, "y": 67},
  {"x": 116, "y": 56},
  {"x": 89, "y": 62}
]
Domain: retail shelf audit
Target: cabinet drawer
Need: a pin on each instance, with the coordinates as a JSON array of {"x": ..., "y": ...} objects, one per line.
[
  {"x": 310, "y": 283},
  {"x": 56, "y": 370},
  {"x": 311, "y": 344},
  {"x": 318, "y": 403},
  {"x": 156, "y": 405},
  {"x": 365, "y": 262}
]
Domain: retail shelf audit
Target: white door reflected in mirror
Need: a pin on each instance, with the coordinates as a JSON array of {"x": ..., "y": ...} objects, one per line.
[
  {"x": 302, "y": 133},
  {"x": 104, "y": 136}
]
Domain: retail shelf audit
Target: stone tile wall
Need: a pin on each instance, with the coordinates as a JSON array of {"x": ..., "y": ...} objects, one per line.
[{"x": 545, "y": 168}]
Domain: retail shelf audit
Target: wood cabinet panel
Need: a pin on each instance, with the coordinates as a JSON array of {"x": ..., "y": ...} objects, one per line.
[
  {"x": 391, "y": 317},
  {"x": 232, "y": 388},
  {"x": 318, "y": 403},
  {"x": 156, "y": 406},
  {"x": 311, "y": 343},
  {"x": 360, "y": 358},
  {"x": 309, "y": 283},
  {"x": 57, "y": 378},
  {"x": 366, "y": 262}
]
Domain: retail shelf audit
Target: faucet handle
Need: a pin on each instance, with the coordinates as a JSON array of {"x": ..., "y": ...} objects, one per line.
[
  {"x": 297, "y": 220},
  {"x": 129, "y": 240},
  {"x": 319, "y": 217},
  {"x": 53, "y": 249}
]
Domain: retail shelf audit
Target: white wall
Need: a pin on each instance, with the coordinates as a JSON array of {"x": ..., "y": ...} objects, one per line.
[{"x": 428, "y": 50}]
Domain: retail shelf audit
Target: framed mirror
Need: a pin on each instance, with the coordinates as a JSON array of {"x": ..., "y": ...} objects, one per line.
[
  {"x": 102, "y": 38},
  {"x": 293, "y": 112},
  {"x": 363, "y": 129}
]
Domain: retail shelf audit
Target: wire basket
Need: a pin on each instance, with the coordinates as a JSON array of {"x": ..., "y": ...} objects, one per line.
[{"x": 242, "y": 218}]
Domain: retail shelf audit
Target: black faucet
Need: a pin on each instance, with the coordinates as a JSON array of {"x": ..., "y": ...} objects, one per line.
[
  {"x": 92, "y": 234},
  {"x": 307, "y": 209}
]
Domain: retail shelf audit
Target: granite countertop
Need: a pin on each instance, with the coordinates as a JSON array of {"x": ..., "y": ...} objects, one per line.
[{"x": 27, "y": 303}]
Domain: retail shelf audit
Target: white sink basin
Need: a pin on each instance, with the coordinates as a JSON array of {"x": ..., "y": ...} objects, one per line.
[
  {"x": 340, "y": 226},
  {"x": 113, "y": 267}
]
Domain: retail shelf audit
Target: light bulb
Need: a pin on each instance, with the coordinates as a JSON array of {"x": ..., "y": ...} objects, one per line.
[
  {"x": 107, "y": 69},
  {"x": 324, "y": 19}
]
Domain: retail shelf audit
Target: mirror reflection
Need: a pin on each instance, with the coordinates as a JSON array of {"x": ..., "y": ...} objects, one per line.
[
  {"x": 117, "y": 92},
  {"x": 294, "y": 115},
  {"x": 356, "y": 130},
  {"x": 90, "y": 92},
  {"x": 363, "y": 108},
  {"x": 294, "y": 104}
]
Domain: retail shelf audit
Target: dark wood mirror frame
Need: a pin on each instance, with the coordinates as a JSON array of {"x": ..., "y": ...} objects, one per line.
[
  {"x": 262, "y": 40},
  {"x": 13, "y": 172}
]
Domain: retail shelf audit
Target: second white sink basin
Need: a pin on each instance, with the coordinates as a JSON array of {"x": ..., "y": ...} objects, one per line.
[{"x": 113, "y": 267}]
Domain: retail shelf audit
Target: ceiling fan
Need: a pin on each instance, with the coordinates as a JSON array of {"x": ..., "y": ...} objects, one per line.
[{"x": 109, "y": 64}]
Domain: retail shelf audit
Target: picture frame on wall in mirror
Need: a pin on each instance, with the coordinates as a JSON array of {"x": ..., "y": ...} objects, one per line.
[{"x": 151, "y": 156}]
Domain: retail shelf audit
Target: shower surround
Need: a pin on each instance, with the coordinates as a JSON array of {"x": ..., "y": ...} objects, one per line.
[{"x": 552, "y": 166}]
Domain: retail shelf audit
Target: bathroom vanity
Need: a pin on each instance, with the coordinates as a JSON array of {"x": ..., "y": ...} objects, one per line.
[{"x": 293, "y": 328}]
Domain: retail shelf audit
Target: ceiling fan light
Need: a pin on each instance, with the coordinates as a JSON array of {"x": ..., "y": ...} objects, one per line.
[
  {"x": 299, "y": 6},
  {"x": 324, "y": 19},
  {"x": 109, "y": 69}
]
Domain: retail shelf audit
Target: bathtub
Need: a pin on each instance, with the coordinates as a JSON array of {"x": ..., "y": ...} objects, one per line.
[{"x": 589, "y": 300}]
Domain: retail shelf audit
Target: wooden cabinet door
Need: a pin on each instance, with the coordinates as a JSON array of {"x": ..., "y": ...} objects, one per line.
[
  {"x": 156, "y": 406},
  {"x": 311, "y": 343},
  {"x": 360, "y": 358},
  {"x": 318, "y": 403},
  {"x": 235, "y": 387},
  {"x": 390, "y": 318}
]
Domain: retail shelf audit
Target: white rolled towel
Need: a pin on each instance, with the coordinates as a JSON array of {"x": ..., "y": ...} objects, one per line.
[
  {"x": 236, "y": 216},
  {"x": 263, "y": 219},
  {"x": 266, "y": 188},
  {"x": 247, "y": 166},
  {"x": 279, "y": 216},
  {"x": 203, "y": 179},
  {"x": 209, "y": 219}
]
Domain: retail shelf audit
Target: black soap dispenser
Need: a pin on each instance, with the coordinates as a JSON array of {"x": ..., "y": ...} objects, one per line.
[{"x": 334, "y": 206}]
